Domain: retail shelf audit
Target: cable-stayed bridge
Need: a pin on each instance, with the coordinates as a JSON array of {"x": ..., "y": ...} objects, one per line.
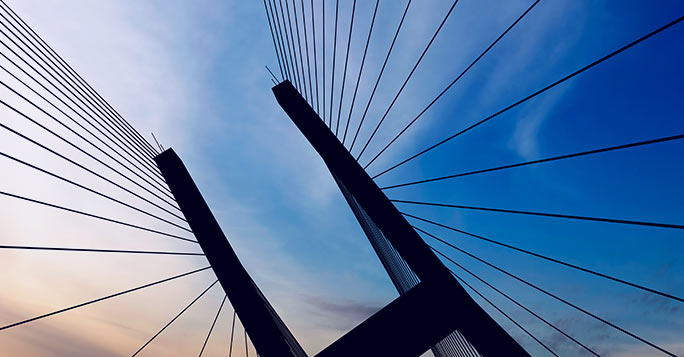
[{"x": 436, "y": 309}]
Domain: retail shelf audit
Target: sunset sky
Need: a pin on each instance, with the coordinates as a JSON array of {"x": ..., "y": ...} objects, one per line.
[{"x": 192, "y": 72}]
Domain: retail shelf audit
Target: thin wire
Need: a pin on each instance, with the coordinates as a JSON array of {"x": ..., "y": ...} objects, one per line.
[
  {"x": 174, "y": 318},
  {"x": 544, "y": 214},
  {"x": 346, "y": 62},
  {"x": 454, "y": 81},
  {"x": 553, "y": 260},
  {"x": 403, "y": 85},
  {"x": 78, "y": 78},
  {"x": 122, "y": 130},
  {"x": 62, "y": 178},
  {"x": 502, "y": 312},
  {"x": 273, "y": 37},
  {"x": 279, "y": 31},
  {"x": 382, "y": 70},
  {"x": 509, "y": 298},
  {"x": 554, "y": 84},
  {"x": 69, "y": 69},
  {"x": 63, "y": 82},
  {"x": 566, "y": 302},
  {"x": 313, "y": 31},
  {"x": 156, "y": 141},
  {"x": 102, "y": 298},
  {"x": 323, "y": 60},
  {"x": 83, "y": 138},
  {"x": 213, "y": 324},
  {"x": 145, "y": 172},
  {"x": 293, "y": 61},
  {"x": 246, "y": 347},
  {"x": 271, "y": 73},
  {"x": 294, "y": 49},
  {"x": 232, "y": 332},
  {"x": 95, "y": 216},
  {"x": 512, "y": 300},
  {"x": 73, "y": 162},
  {"x": 299, "y": 44},
  {"x": 126, "y": 148},
  {"x": 539, "y": 161},
  {"x": 332, "y": 80},
  {"x": 92, "y": 250},
  {"x": 306, "y": 43},
  {"x": 275, "y": 47},
  {"x": 358, "y": 79}
]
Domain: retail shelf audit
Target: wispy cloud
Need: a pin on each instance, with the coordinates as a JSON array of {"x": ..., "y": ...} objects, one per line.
[{"x": 342, "y": 314}]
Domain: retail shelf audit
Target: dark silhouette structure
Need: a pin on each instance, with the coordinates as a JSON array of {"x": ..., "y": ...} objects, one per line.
[
  {"x": 433, "y": 310},
  {"x": 450, "y": 307},
  {"x": 268, "y": 332},
  {"x": 428, "y": 311}
]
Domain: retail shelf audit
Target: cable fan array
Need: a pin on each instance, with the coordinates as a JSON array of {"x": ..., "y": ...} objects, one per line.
[
  {"x": 293, "y": 23},
  {"x": 62, "y": 117}
]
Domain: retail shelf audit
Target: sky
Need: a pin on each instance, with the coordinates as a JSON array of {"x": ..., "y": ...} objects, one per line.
[{"x": 193, "y": 74}]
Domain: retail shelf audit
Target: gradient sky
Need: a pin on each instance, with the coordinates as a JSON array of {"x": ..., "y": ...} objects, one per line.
[{"x": 192, "y": 73}]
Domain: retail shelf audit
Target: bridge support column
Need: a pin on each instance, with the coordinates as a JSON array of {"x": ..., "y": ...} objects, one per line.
[
  {"x": 268, "y": 332},
  {"x": 460, "y": 311}
]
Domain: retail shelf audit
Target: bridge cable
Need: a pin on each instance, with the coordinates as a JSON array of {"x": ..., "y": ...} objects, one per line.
[
  {"x": 358, "y": 79},
  {"x": 344, "y": 72},
  {"x": 86, "y": 188},
  {"x": 285, "y": 30},
  {"x": 111, "y": 135},
  {"x": 81, "y": 149},
  {"x": 299, "y": 44},
  {"x": 126, "y": 135},
  {"x": 323, "y": 60},
  {"x": 279, "y": 30},
  {"x": 75, "y": 75},
  {"x": 552, "y": 85},
  {"x": 274, "y": 78},
  {"x": 293, "y": 53},
  {"x": 275, "y": 47},
  {"x": 174, "y": 318},
  {"x": 102, "y": 298},
  {"x": 334, "y": 58},
  {"x": 313, "y": 33},
  {"x": 547, "y": 258},
  {"x": 281, "y": 41},
  {"x": 308, "y": 58},
  {"x": 546, "y": 214},
  {"x": 382, "y": 70},
  {"x": 82, "y": 137},
  {"x": 403, "y": 85},
  {"x": 232, "y": 333},
  {"x": 79, "y": 89},
  {"x": 212, "y": 325},
  {"x": 92, "y": 250},
  {"x": 91, "y": 215},
  {"x": 246, "y": 346},
  {"x": 454, "y": 81},
  {"x": 501, "y": 311},
  {"x": 512, "y": 300},
  {"x": 76, "y": 163},
  {"x": 539, "y": 161},
  {"x": 79, "y": 124},
  {"x": 556, "y": 297},
  {"x": 79, "y": 135}
]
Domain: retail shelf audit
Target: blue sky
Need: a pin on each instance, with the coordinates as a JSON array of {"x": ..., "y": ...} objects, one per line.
[{"x": 193, "y": 74}]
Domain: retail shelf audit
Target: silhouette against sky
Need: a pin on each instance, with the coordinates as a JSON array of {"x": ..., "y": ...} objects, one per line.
[{"x": 193, "y": 73}]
